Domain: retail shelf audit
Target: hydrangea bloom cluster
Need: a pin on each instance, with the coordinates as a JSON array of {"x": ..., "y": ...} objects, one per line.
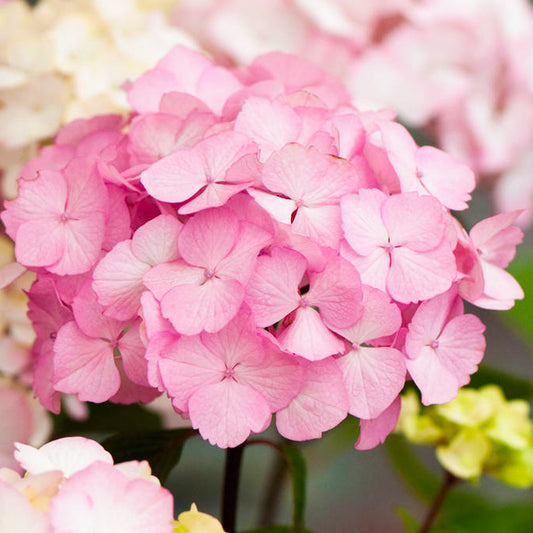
[
  {"x": 477, "y": 432},
  {"x": 71, "y": 485},
  {"x": 65, "y": 59},
  {"x": 250, "y": 243},
  {"x": 407, "y": 55}
]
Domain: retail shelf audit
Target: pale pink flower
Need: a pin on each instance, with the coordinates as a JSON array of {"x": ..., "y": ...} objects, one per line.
[
  {"x": 305, "y": 187},
  {"x": 321, "y": 404},
  {"x": 374, "y": 376},
  {"x": 118, "y": 277},
  {"x": 102, "y": 498},
  {"x": 95, "y": 355},
  {"x": 400, "y": 243},
  {"x": 58, "y": 219},
  {"x": 68, "y": 455},
  {"x": 185, "y": 71},
  {"x": 443, "y": 346},
  {"x": 219, "y": 253},
  {"x": 17, "y": 515},
  {"x": 495, "y": 240},
  {"x": 229, "y": 382},
  {"x": 274, "y": 292},
  {"x": 206, "y": 175}
]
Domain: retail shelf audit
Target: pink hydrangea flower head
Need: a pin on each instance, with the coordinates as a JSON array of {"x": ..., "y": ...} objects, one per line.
[{"x": 251, "y": 243}]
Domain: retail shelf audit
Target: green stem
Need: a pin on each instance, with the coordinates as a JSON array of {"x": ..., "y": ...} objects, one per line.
[
  {"x": 449, "y": 482},
  {"x": 231, "y": 487}
]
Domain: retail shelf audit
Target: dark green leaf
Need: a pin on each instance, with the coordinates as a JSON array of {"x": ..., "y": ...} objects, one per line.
[
  {"x": 408, "y": 520},
  {"x": 491, "y": 518},
  {"x": 162, "y": 449},
  {"x": 423, "y": 482},
  {"x": 520, "y": 316},
  {"x": 513, "y": 387},
  {"x": 277, "y": 529},
  {"x": 108, "y": 418},
  {"x": 298, "y": 471}
]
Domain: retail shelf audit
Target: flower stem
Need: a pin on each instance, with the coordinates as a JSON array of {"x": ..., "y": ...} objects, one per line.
[
  {"x": 449, "y": 481},
  {"x": 231, "y": 487}
]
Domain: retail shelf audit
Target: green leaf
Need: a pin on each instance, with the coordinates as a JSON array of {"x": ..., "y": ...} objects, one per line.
[
  {"x": 512, "y": 386},
  {"x": 423, "y": 482},
  {"x": 108, "y": 418},
  {"x": 297, "y": 468},
  {"x": 520, "y": 316},
  {"x": 407, "y": 519},
  {"x": 162, "y": 449},
  {"x": 490, "y": 518},
  {"x": 277, "y": 529}
]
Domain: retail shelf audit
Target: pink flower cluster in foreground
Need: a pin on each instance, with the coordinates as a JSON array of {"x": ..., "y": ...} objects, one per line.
[
  {"x": 250, "y": 243},
  {"x": 72, "y": 486}
]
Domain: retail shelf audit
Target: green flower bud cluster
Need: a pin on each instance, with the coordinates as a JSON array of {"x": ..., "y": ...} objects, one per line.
[{"x": 478, "y": 432}]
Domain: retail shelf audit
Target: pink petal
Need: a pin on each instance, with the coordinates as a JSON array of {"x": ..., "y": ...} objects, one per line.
[
  {"x": 227, "y": 412},
  {"x": 269, "y": 123},
  {"x": 279, "y": 208},
  {"x": 380, "y": 318},
  {"x": 241, "y": 260},
  {"x": 497, "y": 239},
  {"x": 118, "y": 281},
  {"x": 363, "y": 225},
  {"x": 157, "y": 241},
  {"x": 500, "y": 290},
  {"x": 69, "y": 455},
  {"x": 337, "y": 293},
  {"x": 202, "y": 242},
  {"x": 447, "y": 179},
  {"x": 308, "y": 337},
  {"x": 321, "y": 404},
  {"x": 192, "y": 309},
  {"x": 186, "y": 366},
  {"x": 84, "y": 365},
  {"x": 322, "y": 224},
  {"x": 272, "y": 291},
  {"x": 439, "y": 372},
  {"x": 414, "y": 221},
  {"x": 101, "y": 498},
  {"x": 278, "y": 378},
  {"x": 161, "y": 278},
  {"x": 417, "y": 276},
  {"x": 375, "y": 431},
  {"x": 373, "y": 378}
]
